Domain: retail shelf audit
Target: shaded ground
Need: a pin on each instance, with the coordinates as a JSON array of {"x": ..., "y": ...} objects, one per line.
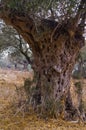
[{"x": 13, "y": 115}]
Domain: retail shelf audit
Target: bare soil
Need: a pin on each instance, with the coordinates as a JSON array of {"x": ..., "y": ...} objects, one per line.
[{"x": 13, "y": 115}]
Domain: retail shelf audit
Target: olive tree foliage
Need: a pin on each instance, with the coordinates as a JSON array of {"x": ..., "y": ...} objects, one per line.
[
  {"x": 12, "y": 41},
  {"x": 79, "y": 70},
  {"x": 38, "y": 9},
  {"x": 43, "y": 8},
  {"x": 7, "y": 36}
]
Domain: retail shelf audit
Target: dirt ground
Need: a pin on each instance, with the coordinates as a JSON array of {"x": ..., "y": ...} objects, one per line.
[{"x": 13, "y": 116}]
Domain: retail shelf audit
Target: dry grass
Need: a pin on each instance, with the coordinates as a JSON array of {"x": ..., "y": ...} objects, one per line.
[{"x": 13, "y": 115}]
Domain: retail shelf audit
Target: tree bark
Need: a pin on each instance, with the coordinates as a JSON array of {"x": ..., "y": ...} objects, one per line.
[{"x": 54, "y": 66}]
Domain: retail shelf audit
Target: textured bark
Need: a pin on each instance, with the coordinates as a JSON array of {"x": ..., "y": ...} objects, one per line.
[{"x": 54, "y": 65}]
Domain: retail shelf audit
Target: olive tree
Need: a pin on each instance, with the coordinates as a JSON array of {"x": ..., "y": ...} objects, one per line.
[
  {"x": 54, "y": 31},
  {"x": 10, "y": 38}
]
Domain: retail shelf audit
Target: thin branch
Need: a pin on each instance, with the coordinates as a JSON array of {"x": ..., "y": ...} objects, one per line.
[
  {"x": 82, "y": 23},
  {"x": 23, "y": 52},
  {"x": 80, "y": 12}
]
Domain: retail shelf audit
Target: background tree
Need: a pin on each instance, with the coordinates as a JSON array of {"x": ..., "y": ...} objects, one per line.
[
  {"x": 80, "y": 66},
  {"x": 11, "y": 42},
  {"x": 54, "y": 31}
]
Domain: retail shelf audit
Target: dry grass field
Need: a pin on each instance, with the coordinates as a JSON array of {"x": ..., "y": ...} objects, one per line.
[{"x": 13, "y": 115}]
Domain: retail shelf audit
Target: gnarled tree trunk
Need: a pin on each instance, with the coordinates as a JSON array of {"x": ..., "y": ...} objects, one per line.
[
  {"x": 55, "y": 48},
  {"x": 54, "y": 64}
]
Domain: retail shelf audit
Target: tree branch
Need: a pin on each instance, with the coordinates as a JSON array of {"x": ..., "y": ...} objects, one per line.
[{"x": 81, "y": 11}]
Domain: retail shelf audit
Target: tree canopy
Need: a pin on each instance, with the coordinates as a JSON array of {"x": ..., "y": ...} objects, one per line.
[
  {"x": 50, "y": 8},
  {"x": 13, "y": 45},
  {"x": 58, "y": 10}
]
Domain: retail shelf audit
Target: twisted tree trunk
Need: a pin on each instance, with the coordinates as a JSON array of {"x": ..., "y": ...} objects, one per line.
[
  {"x": 54, "y": 66},
  {"x": 55, "y": 48}
]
